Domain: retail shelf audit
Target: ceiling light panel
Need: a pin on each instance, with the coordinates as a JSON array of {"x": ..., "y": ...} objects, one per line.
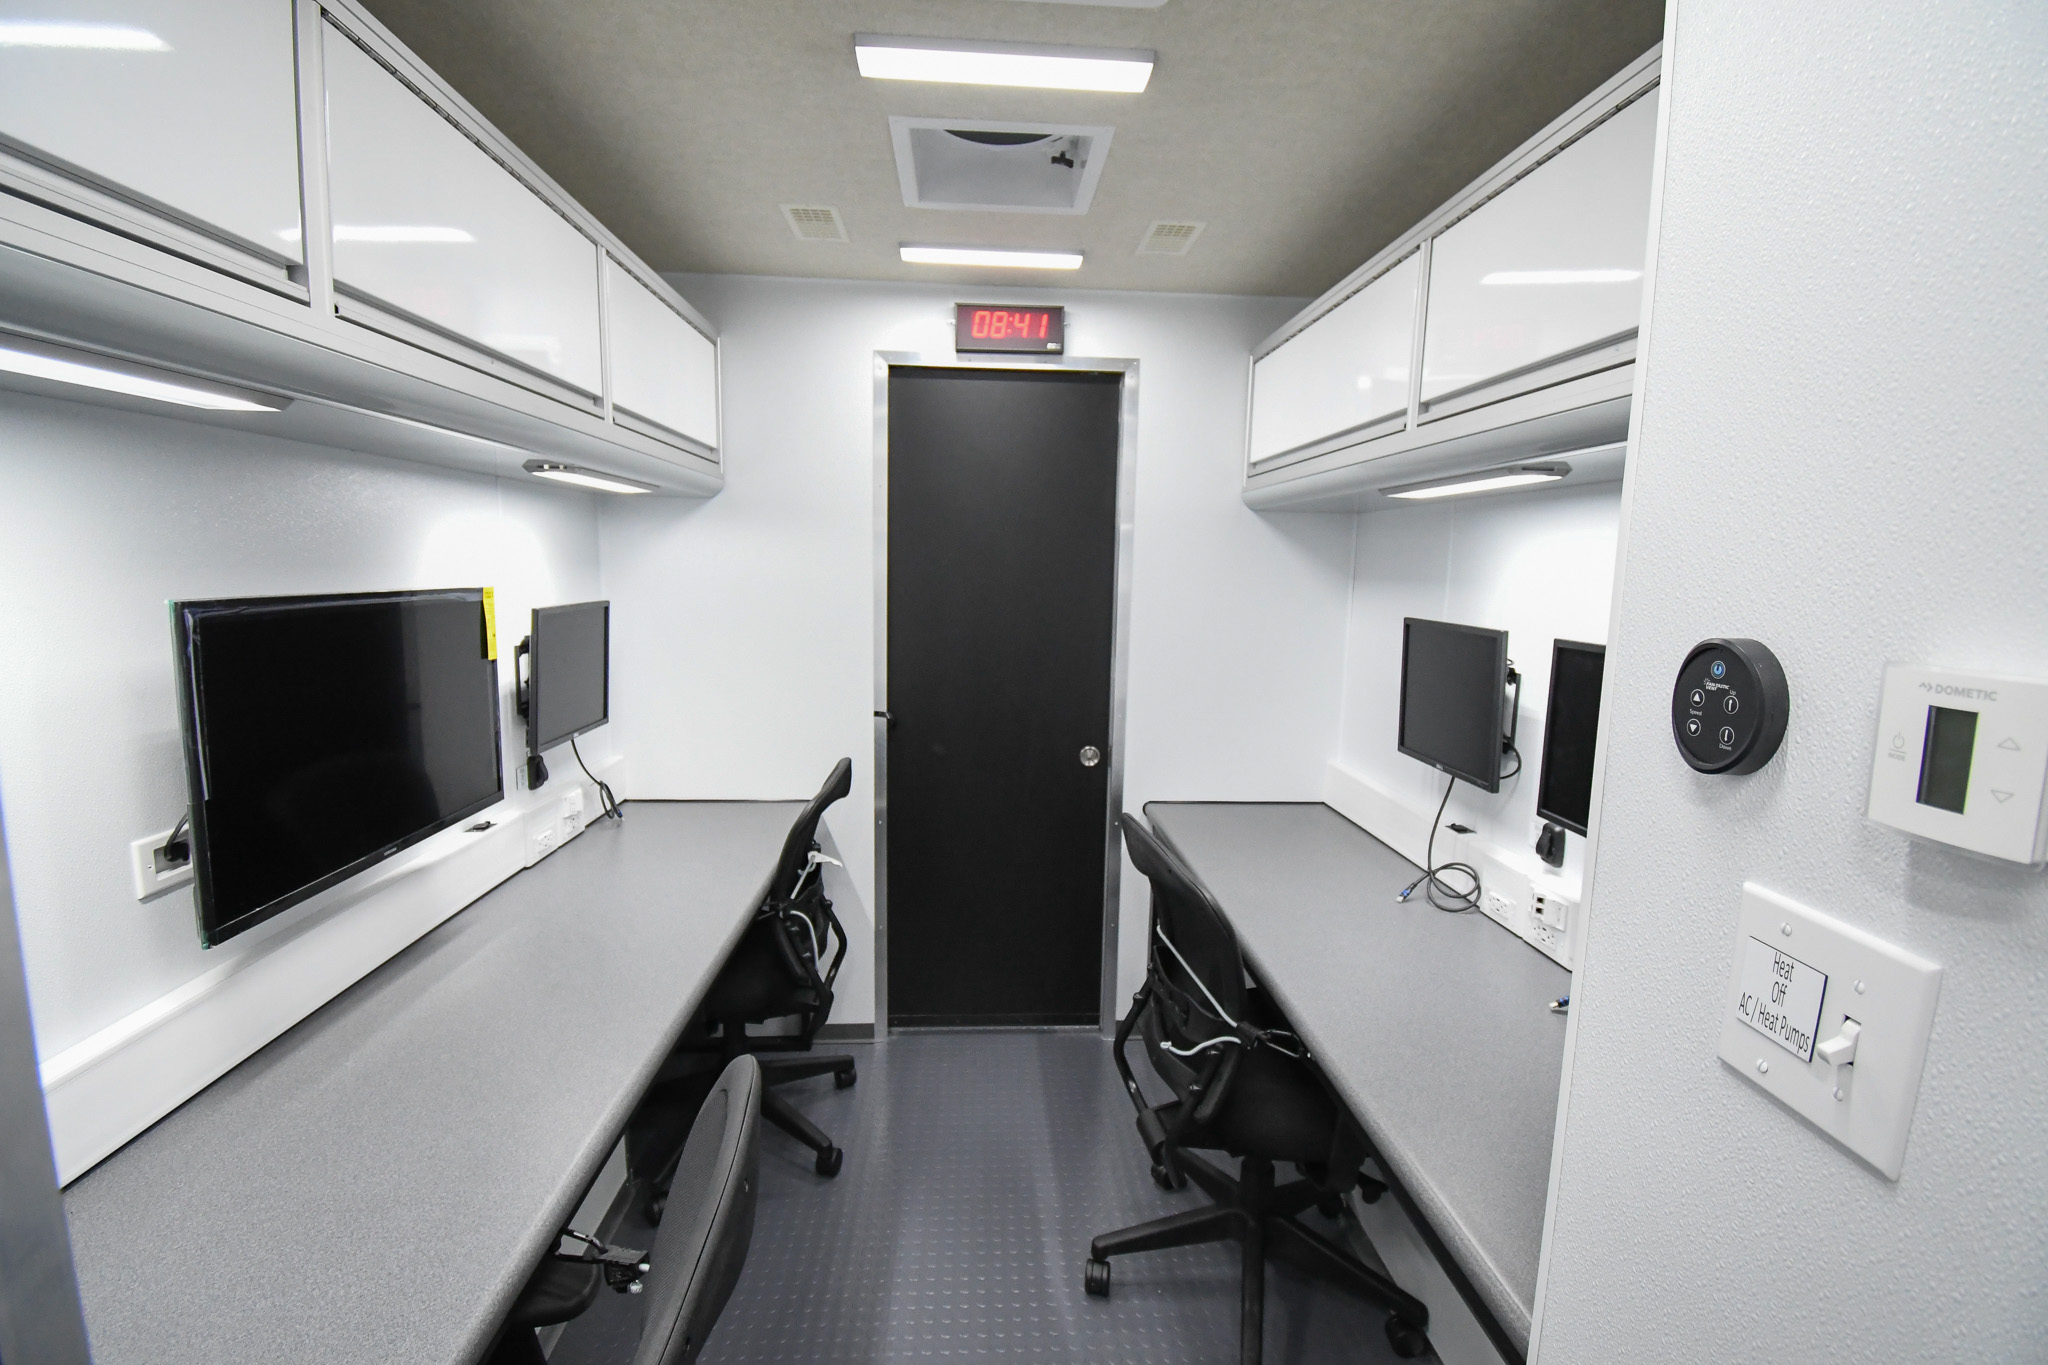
[
  {"x": 986, "y": 167},
  {"x": 85, "y": 37},
  {"x": 955, "y": 61},
  {"x": 995, "y": 256}
]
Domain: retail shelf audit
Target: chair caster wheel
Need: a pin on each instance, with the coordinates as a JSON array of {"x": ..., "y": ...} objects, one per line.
[
  {"x": 1096, "y": 1280},
  {"x": 1408, "y": 1340},
  {"x": 830, "y": 1160},
  {"x": 843, "y": 1080},
  {"x": 1164, "y": 1178},
  {"x": 1331, "y": 1206}
]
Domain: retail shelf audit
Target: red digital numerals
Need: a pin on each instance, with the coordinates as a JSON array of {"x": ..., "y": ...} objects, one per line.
[{"x": 996, "y": 324}]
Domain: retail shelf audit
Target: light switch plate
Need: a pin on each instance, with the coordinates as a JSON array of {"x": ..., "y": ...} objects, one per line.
[
  {"x": 1798, "y": 974},
  {"x": 1973, "y": 781}
]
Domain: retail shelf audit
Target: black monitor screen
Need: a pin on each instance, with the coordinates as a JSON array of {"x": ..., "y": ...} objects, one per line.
[
  {"x": 1564, "y": 795},
  {"x": 1453, "y": 695},
  {"x": 323, "y": 734},
  {"x": 567, "y": 690}
]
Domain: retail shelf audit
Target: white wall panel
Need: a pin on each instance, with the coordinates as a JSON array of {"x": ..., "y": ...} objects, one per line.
[
  {"x": 1552, "y": 263},
  {"x": 1348, "y": 368},
  {"x": 663, "y": 369},
  {"x": 425, "y": 221},
  {"x": 188, "y": 104},
  {"x": 1837, "y": 452}
]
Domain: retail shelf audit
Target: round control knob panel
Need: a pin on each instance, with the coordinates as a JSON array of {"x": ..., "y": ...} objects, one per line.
[{"x": 1728, "y": 706}]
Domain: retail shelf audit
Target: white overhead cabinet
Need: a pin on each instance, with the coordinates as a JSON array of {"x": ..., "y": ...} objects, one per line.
[
  {"x": 1345, "y": 372},
  {"x": 428, "y": 225},
  {"x": 663, "y": 370},
  {"x": 1548, "y": 271},
  {"x": 1519, "y": 298},
  {"x": 175, "y": 121}
]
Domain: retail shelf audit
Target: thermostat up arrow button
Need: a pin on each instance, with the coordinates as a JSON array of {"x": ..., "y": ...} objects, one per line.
[{"x": 2009, "y": 743}]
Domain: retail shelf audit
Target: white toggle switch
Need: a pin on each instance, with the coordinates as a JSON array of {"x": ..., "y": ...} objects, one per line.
[
  {"x": 1840, "y": 1050},
  {"x": 1797, "y": 975}
]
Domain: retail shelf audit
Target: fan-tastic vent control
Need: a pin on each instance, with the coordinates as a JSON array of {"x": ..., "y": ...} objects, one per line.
[{"x": 1728, "y": 706}]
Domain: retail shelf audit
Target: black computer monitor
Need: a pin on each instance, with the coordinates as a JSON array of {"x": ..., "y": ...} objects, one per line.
[
  {"x": 323, "y": 734},
  {"x": 1564, "y": 792},
  {"x": 567, "y": 690},
  {"x": 1454, "y": 683}
]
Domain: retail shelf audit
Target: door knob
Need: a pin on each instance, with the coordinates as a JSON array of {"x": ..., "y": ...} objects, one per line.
[{"x": 1090, "y": 755}]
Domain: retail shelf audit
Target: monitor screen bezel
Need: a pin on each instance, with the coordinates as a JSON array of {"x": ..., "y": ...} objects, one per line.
[
  {"x": 1487, "y": 782},
  {"x": 213, "y": 930},
  {"x": 535, "y": 663},
  {"x": 1543, "y": 809}
]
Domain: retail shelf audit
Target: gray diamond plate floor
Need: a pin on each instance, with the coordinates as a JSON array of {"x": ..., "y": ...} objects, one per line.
[{"x": 978, "y": 1166}]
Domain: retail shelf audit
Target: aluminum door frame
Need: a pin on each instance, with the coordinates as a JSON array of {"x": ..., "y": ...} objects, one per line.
[{"x": 1119, "y": 657}]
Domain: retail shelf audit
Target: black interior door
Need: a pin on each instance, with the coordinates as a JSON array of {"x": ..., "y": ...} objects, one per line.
[{"x": 1002, "y": 569}]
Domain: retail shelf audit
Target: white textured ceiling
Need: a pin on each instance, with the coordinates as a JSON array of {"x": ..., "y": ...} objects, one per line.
[{"x": 1305, "y": 133}]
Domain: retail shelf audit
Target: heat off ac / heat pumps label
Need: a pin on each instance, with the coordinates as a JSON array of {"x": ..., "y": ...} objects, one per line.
[{"x": 1780, "y": 997}]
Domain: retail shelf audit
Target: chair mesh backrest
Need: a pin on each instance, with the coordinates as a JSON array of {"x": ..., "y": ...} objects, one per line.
[
  {"x": 1183, "y": 908},
  {"x": 709, "y": 1221},
  {"x": 796, "y": 849}
]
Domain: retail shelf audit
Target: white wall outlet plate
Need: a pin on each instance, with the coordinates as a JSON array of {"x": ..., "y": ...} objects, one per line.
[
  {"x": 1831, "y": 1021},
  {"x": 145, "y": 871},
  {"x": 1962, "y": 759},
  {"x": 1502, "y": 911}
]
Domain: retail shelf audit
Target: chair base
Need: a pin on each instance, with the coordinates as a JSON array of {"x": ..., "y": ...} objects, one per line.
[
  {"x": 1250, "y": 1211},
  {"x": 784, "y": 1115}
]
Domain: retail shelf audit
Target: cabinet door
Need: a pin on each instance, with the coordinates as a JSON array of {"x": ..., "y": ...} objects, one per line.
[
  {"x": 663, "y": 369},
  {"x": 1552, "y": 264},
  {"x": 1346, "y": 370},
  {"x": 187, "y": 106},
  {"x": 427, "y": 223}
]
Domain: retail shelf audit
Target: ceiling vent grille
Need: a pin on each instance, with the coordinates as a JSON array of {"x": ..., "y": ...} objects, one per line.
[
  {"x": 1169, "y": 239},
  {"x": 814, "y": 222}
]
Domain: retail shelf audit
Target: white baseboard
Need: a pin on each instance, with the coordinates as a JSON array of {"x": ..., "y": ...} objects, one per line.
[
  {"x": 1512, "y": 875},
  {"x": 104, "y": 1090}
]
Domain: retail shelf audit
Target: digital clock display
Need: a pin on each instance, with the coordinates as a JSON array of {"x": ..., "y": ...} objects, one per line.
[{"x": 990, "y": 327}]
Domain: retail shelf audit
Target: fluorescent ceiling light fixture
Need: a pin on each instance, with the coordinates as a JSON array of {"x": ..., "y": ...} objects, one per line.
[
  {"x": 961, "y": 61},
  {"x": 40, "y": 360},
  {"x": 1485, "y": 481},
  {"x": 94, "y": 37},
  {"x": 585, "y": 478},
  {"x": 980, "y": 255},
  {"x": 1562, "y": 277},
  {"x": 386, "y": 232}
]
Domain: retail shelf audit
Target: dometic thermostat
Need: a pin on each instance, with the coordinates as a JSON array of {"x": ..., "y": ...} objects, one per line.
[
  {"x": 1728, "y": 706},
  {"x": 1961, "y": 759}
]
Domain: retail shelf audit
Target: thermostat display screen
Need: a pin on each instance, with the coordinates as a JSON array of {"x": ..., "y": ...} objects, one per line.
[{"x": 1945, "y": 758}]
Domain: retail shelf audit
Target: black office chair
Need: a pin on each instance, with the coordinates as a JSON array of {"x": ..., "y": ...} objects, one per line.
[
  {"x": 697, "y": 1256},
  {"x": 776, "y": 971},
  {"x": 1242, "y": 1084}
]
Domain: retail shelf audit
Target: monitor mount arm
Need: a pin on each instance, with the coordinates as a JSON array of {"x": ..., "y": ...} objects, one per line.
[{"x": 1514, "y": 709}]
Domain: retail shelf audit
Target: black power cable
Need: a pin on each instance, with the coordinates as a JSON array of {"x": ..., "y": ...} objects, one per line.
[
  {"x": 1443, "y": 895},
  {"x": 605, "y": 798}
]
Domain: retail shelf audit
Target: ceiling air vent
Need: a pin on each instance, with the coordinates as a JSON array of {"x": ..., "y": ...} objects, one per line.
[
  {"x": 1169, "y": 239},
  {"x": 998, "y": 167},
  {"x": 815, "y": 222}
]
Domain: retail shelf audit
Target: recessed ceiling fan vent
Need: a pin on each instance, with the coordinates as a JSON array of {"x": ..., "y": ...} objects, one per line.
[
  {"x": 815, "y": 222},
  {"x": 1169, "y": 239}
]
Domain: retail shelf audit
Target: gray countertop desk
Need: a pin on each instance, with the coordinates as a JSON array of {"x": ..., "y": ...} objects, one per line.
[
  {"x": 376, "y": 1184},
  {"x": 1433, "y": 1027}
]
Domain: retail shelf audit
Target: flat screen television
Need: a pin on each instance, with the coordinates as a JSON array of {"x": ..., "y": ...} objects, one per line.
[
  {"x": 1454, "y": 683},
  {"x": 324, "y": 734},
  {"x": 1564, "y": 792},
  {"x": 567, "y": 689}
]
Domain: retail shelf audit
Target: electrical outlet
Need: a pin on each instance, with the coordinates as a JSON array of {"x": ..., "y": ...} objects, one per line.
[
  {"x": 572, "y": 803},
  {"x": 1503, "y": 911},
  {"x": 149, "y": 871},
  {"x": 1550, "y": 917}
]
